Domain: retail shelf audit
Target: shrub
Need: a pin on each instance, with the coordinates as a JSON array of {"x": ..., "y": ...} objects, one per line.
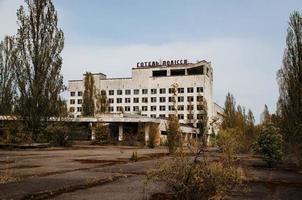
[
  {"x": 134, "y": 157},
  {"x": 153, "y": 135},
  {"x": 269, "y": 145},
  {"x": 58, "y": 135},
  {"x": 14, "y": 133},
  {"x": 174, "y": 138},
  {"x": 102, "y": 133},
  {"x": 198, "y": 178}
]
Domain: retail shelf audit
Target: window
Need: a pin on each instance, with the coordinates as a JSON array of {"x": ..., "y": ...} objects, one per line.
[
  {"x": 190, "y": 116},
  {"x": 162, "y": 99},
  {"x": 153, "y": 108},
  {"x": 171, "y": 99},
  {"x": 111, "y": 100},
  {"x": 180, "y": 107},
  {"x": 190, "y": 90},
  {"x": 159, "y": 73},
  {"x": 110, "y": 109},
  {"x": 136, "y": 91},
  {"x": 127, "y": 100},
  {"x": 145, "y": 99},
  {"x": 71, "y": 109},
  {"x": 79, "y": 109},
  {"x": 153, "y": 99},
  {"x": 136, "y": 100},
  {"x": 144, "y": 108},
  {"x": 153, "y": 116},
  {"x": 190, "y": 107},
  {"x": 80, "y": 93},
  {"x": 195, "y": 70},
  {"x": 103, "y": 92},
  {"x": 180, "y": 116},
  {"x": 199, "y": 107},
  {"x": 119, "y": 109},
  {"x": 181, "y": 90},
  {"x": 199, "y": 116},
  {"x": 135, "y": 108},
  {"x": 180, "y": 99},
  {"x": 162, "y": 116},
  {"x": 119, "y": 92},
  {"x": 199, "y": 89},
  {"x": 72, "y": 94},
  {"x": 162, "y": 90},
  {"x": 171, "y": 108},
  {"x": 153, "y": 91},
  {"x": 171, "y": 90},
  {"x": 72, "y": 101},
  {"x": 111, "y": 92},
  {"x": 177, "y": 72},
  {"x": 119, "y": 100},
  {"x": 127, "y": 108},
  {"x": 162, "y": 108},
  {"x": 145, "y": 91},
  {"x": 199, "y": 98},
  {"x": 80, "y": 101},
  {"x": 128, "y": 92},
  {"x": 190, "y": 99}
]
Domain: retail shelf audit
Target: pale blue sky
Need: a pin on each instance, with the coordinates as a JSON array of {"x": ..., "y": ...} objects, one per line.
[{"x": 244, "y": 39}]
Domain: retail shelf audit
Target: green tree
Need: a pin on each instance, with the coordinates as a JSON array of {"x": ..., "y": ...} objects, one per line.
[
  {"x": 89, "y": 94},
  {"x": 38, "y": 70},
  {"x": 290, "y": 87},
  {"x": 265, "y": 116},
  {"x": 7, "y": 75},
  {"x": 269, "y": 145},
  {"x": 102, "y": 103},
  {"x": 229, "y": 120},
  {"x": 202, "y": 123}
]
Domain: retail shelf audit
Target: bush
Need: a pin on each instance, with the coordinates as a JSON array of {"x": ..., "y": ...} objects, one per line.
[
  {"x": 153, "y": 135},
  {"x": 269, "y": 145},
  {"x": 102, "y": 133},
  {"x": 174, "y": 138},
  {"x": 134, "y": 157},
  {"x": 14, "y": 133},
  {"x": 198, "y": 178},
  {"x": 58, "y": 135}
]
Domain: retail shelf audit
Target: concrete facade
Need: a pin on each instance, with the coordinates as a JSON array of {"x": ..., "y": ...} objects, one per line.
[{"x": 148, "y": 91}]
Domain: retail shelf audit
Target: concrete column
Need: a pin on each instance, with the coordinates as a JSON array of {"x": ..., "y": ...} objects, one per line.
[
  {"x": 120, "y": 132},
  {"x": 92, "y": 131},
  {"x": 147, "y": 129}
]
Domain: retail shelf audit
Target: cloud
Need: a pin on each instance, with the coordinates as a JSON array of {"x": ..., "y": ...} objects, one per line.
[{"x": 246, "y": 68}]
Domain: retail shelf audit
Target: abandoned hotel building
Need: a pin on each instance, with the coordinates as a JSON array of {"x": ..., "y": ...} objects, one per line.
[{"x": 148, "y": 98}]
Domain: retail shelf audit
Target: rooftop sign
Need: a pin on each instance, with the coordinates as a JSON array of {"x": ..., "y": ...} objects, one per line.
[{"x": 162, "y": 63}]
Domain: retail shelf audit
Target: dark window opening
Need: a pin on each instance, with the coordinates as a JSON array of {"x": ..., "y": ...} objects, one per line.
[
  {"x": 195, "y": 70},
  {"x": 178, "y": 72},
  {"x": 163, "y": 132},
  {"x": 159, "y": 73}
]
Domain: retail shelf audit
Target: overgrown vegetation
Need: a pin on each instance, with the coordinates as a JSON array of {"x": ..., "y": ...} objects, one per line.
[
  {"x": 269, "y": 145},
  {"x": 58, "y": 134},
  {"x": 102, "y": 133},
  {"x": 290, "y": 86},
  {"x": 239, "y": 125},
  {"x": 153, "y": 136},
  {"x": 134, "y": 157},
  {"x": 198, "y": 178},
  {"x": 88, "y": 106}
]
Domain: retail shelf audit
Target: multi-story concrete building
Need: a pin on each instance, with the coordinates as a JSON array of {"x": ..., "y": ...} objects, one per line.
[{"x": 149, "y": 91}]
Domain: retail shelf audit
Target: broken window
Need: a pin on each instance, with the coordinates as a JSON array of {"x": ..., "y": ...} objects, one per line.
[
  {"x": 178, "y": 72},
  {"x": 195, "y": 70},
  {"x": 158, "y": 73}
]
